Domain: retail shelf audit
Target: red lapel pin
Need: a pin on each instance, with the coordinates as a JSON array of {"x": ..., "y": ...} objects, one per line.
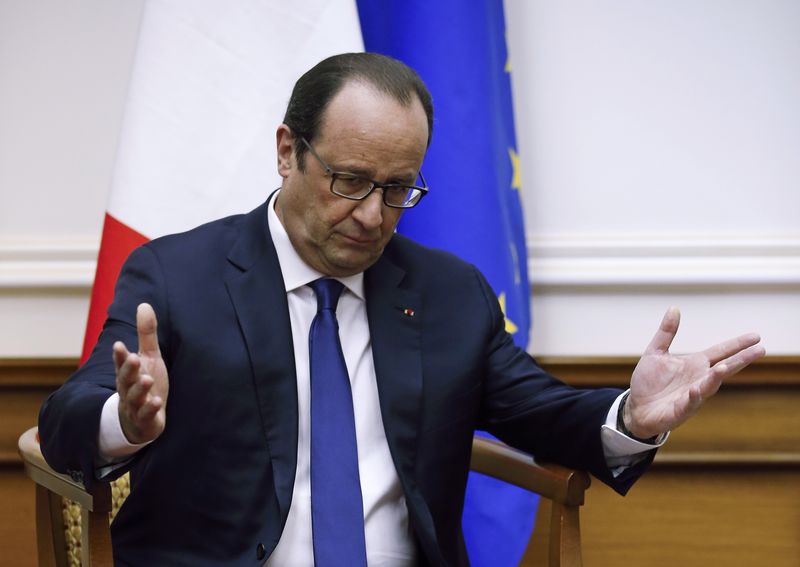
[{"x": 408, "y": 312}]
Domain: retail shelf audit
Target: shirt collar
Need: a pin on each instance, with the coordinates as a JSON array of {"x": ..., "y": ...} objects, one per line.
[{"x": 296, "y": 273}]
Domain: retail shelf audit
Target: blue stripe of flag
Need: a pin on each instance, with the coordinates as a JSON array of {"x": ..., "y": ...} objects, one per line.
[{"x": 472, "y": 210}]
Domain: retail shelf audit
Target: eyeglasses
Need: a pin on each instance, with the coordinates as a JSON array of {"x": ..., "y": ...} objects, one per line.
[{"x": 356, "y": 188}]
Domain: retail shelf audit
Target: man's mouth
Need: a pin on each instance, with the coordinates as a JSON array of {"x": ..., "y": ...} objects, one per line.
[{"x": 360, "y": 240}]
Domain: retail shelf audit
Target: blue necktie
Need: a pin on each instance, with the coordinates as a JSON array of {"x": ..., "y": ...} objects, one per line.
[{"x": 337, "y": 514}]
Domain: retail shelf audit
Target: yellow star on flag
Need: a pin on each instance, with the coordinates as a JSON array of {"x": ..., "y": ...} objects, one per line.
[
  {"x": 508, "y": 55},
  {"x": 516, "y": 180},
  {"x": 510, "y": 326}
]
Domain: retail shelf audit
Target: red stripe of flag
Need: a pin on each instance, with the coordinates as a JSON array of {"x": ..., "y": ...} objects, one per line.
[{"x": 117, "y": 243}]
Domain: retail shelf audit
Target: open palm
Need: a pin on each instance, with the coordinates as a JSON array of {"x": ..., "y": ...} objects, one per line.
[
  {"x": 667, "y": 389},
  {"x": 142, "y": 382}
]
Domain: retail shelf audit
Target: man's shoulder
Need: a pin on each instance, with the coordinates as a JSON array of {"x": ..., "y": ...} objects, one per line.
[
  {"x": 403, "y": 249},
  {"x": 421, "y": 261},
  {"x": 219, "y": 234}
]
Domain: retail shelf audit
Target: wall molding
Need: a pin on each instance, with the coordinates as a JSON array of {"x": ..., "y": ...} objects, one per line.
[
  {"x": 645, "y": 262},
  {"x": 42, "y": 264},
  {"x": 562, "y": 262}
]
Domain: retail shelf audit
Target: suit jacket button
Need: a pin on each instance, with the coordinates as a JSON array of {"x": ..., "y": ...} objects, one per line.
[
  {"x": 76, "y": 475},
  {"x": 260, "y": 551}
]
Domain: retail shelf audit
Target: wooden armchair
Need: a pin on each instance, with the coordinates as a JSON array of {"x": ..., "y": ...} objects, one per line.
[
  {"x": 561, "y": 489},
  {"x": 557, "y": 543}
]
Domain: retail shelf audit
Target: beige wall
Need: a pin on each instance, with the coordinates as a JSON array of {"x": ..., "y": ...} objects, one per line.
[{"x": 658, "y": 143}]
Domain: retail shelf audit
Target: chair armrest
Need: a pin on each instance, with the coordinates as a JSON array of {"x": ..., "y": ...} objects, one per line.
[
  {"x": 554, "y": 482},
  {"x": 51, "y": 489},
  {"x": 41, "y": 473}
]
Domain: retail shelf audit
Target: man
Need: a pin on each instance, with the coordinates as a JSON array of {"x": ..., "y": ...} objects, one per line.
[{"x": 207, "y": 380}]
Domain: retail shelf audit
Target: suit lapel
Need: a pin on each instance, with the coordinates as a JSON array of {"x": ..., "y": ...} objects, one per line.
[
  {"x": 395, "y": 321},
  {"x": 394, "y": 327},
  {"x": 259, "y": 298}
]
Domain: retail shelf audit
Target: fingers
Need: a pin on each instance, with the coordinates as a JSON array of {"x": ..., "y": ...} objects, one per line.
[
  {"x": 666, "y": 332},
  {"x": 133, "y": 384},
  {"x": 141, "y": 381},
  {"x": 705, "y": 388},
  {"x": 119, "y": 353},
  {"x": 724, "y": 369},
  {"x": 142, "y": 406},
  {"x": 146, "y": 328},
  {"x": 127, "y": 366},
  {"x": 730, "y": 347},
  {"x": 736, "y": 362},
  {"x": 696, "y": 398},
  {"x": 137, "y": 394},
  {"x": 138, "y": 407},
  {"x": 148, "y": 411}
]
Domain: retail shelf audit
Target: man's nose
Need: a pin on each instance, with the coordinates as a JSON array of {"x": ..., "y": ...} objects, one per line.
[{"x": 369, "y": 212}]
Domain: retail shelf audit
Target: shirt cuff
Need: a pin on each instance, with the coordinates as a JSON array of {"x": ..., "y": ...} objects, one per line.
[
  {"x": 112, "y": 445},
  {"x": 620, "y": 450}
]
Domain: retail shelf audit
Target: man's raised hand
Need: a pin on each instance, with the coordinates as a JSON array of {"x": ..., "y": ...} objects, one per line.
[
  {"x": 667, "y": 389},
  {"x": 142, "y": 382}
]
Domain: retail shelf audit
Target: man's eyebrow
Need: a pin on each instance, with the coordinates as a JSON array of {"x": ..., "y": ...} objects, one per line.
[
  {"x": 405, "y": 179},
  {"x": 400, "y": 179},
  {"x": 361, "y": 172},
  {"x": 353, "y": 170}
]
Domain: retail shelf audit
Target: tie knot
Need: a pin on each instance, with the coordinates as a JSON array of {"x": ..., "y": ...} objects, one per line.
[{"x": 328, "y": 292}]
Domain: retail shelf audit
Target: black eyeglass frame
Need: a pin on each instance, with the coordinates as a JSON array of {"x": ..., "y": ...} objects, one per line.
[{"x": 373, "y": 184}]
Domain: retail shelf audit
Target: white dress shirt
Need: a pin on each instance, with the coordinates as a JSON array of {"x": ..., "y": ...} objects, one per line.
[{"x": 389, "y": 538}]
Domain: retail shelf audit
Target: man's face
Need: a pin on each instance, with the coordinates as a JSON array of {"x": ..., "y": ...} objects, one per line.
[{"x": 364, "y": 132}]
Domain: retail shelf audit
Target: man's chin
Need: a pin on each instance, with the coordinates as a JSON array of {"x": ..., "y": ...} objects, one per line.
[{"x": 344, "y": 265}]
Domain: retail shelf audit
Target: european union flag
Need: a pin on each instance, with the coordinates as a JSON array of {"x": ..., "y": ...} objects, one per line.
[{"x": 473, "y": 208}]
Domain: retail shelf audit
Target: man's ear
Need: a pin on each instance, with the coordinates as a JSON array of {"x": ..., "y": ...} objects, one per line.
[{"x": 285, "y": 140}]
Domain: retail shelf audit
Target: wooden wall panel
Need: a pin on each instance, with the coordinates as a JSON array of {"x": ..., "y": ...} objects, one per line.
[
  {"x": 24, "y": 384},
  {"x": 17, "y": 519},
  {"x": 736, "y": 517},
  {"x": 743, "y": 421},
  {"x": 725, "y": 490},
  {"x": 19, "y": 409}
]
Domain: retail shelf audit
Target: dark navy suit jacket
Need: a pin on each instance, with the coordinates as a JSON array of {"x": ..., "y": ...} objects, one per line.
[{"x": 216, "y": 486}]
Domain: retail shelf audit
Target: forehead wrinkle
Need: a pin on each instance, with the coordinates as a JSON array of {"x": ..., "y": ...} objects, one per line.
[{"x": 361, "y": 160}]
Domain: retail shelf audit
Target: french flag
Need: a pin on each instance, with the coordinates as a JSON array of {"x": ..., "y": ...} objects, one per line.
[{"x": 209, "y": 86}]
